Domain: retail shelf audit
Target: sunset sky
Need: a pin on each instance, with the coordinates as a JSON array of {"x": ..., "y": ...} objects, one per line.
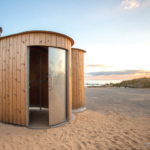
[{"x": 115, "y": 33}]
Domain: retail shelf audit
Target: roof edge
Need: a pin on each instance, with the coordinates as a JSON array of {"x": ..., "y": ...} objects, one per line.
[
  {"x": 78, "y": 49},
  {"x": 40, "y": 31}
]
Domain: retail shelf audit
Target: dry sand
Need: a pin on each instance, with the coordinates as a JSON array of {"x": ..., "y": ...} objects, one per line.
[{"x": 90, "y": 130}]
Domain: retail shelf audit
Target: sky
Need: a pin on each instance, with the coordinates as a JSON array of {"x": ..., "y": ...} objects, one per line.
[{"x": 115, "y": 33}]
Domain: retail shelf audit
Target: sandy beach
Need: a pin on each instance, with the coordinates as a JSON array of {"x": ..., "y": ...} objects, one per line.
[{"x": 110, "y": 122}]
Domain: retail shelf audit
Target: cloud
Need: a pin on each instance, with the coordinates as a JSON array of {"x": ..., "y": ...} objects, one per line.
[
  {"x": 146, "y": 3},
  {"x": 124, "y": 72},
  {"x": 129, "y": 4},
  {"x": 99, "y": 66}
]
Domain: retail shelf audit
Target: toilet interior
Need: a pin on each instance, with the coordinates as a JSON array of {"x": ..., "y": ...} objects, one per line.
[{"x": 38, "y": 87}]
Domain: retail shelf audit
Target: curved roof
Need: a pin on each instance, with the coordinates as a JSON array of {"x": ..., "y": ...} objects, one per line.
[
  {"x": 40, "y": 31},
  {"x": 79, "y": 49}
]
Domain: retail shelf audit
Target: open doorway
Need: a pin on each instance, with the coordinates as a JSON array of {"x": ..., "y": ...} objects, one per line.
[{"x": 38, "y": 87}]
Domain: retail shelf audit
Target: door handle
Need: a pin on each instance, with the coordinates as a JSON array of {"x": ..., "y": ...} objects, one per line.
[{"x": 50, "y": 85}]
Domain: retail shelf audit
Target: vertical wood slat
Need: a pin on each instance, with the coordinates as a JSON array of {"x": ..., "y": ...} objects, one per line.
[
  {"x": 4, "y": 79},
  {"x": 14, "y": 80},
  {"x": 48, "y": 39},
  {"x": 62, "y": 42},
  {"x": 10, "y": 81},
  {"x": 59, "y": 41},
  {"x": 42, "y": 37},
  {"x": 72, "y": 76},
  {"x": 7, "y": 80},
  {"x": 1, "y": 80},
  {"x": 54, "y": 41},
  {"x": 23, "y": 48},
  {"x": 66, "y": 44},
  {"x": 32, "y": 39},
  {"x": 27, "y": 41},
  {"x": 79, "y": 77},
  {"x": 77, "y": 74},
  {"x": 36, "y": 40},
  {"x": 70, "y": 80},
  {"x": 75, "y": 79},
  {"x": 82, "y": 79},
  {"x": 18, "y": 80}
]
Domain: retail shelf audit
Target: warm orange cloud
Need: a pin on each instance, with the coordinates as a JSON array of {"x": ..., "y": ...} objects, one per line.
[
  {"x": 118, "y": 74},
  {"x": 98, "y": 66},
  {"x": 116, "y": 77},
  {"x": 129, "y": 4}
]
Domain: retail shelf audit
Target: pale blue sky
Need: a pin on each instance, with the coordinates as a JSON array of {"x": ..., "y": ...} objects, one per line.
[{"x": 115, "y": 33}]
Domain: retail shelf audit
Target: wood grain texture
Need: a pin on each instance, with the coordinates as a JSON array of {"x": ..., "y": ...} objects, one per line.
[
  {"x": 45, "y": 32},
  {"x": 19, "y": 80},
  {"x": 4, "y": 79},
  {"x": 7, "y": 80},
  {"x": 48, "y": 39},
  {"x": 77, "y": 78},
  {"x": 1, "y": 77},
  {"x": 13, "y": 71},
  {"x": 14, "y": 80},
  {"x": 77, "y": 81},
  {"x": 27, "y": 40},
  {"x": 36, "y": 39},
  {"x": 11, "y": 80},
  {"x": 82, "y": 78},
  {"x": 73, "y": 79},
  {"x": 42, "y": 37},
  {"x": 23, "y": 49},
  {"x": 70, "y": 80},
  {"x": 54, "y": 40}
]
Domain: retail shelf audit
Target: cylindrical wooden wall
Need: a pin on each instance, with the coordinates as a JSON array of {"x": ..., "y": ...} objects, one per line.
[
  {"x": 77, "y": 78},
  {"x": 13, "y": 71}
]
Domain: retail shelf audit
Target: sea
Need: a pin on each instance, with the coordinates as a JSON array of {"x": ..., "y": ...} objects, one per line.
[{"x": 100, "y": 82}]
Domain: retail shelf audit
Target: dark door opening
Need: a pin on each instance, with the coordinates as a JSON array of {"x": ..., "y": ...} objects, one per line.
[{"x": 38, "y": 87}]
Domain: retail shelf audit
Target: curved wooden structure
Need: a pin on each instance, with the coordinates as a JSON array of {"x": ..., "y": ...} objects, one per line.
[
  {"x": 13, "y": 71},
  {"x": 77, "y": 78}
]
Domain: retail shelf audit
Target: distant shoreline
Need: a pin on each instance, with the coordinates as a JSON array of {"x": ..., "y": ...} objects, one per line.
[{"x": 133, "y": 83}]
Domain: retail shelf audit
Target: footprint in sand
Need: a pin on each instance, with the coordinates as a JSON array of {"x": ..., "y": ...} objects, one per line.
[
  {"x": 116, "y": 138},
  {"x": 126, "y": 132},
  {"x": 132, "y": 141},
  {"x": 79, "y": 146},
  {"x": 97, "y": 145},
  {"x": 84, "y": 143}
]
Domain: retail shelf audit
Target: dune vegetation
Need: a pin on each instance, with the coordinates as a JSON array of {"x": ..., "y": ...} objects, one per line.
[{"x": 135, "y": 83}]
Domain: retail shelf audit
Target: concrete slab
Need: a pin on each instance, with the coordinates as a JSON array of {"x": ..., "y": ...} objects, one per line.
[
  {"x": 79, "y": 110},
  {"x": 39, "y": 118},
  {"x": 73, "y": 117}
]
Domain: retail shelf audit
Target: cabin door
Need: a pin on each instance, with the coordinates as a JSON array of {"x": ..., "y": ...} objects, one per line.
[{"x": 57, "y": 85}]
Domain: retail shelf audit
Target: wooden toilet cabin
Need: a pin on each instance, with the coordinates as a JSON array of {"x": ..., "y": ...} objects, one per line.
[
  {"x": 36, "y": 71},
  {"x": 77, "y": 78}
]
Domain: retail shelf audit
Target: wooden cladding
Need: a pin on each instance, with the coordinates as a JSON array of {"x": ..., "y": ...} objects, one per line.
[
  {"x": 77, "y": 78},
  {"x": 13, "y": 72}
]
